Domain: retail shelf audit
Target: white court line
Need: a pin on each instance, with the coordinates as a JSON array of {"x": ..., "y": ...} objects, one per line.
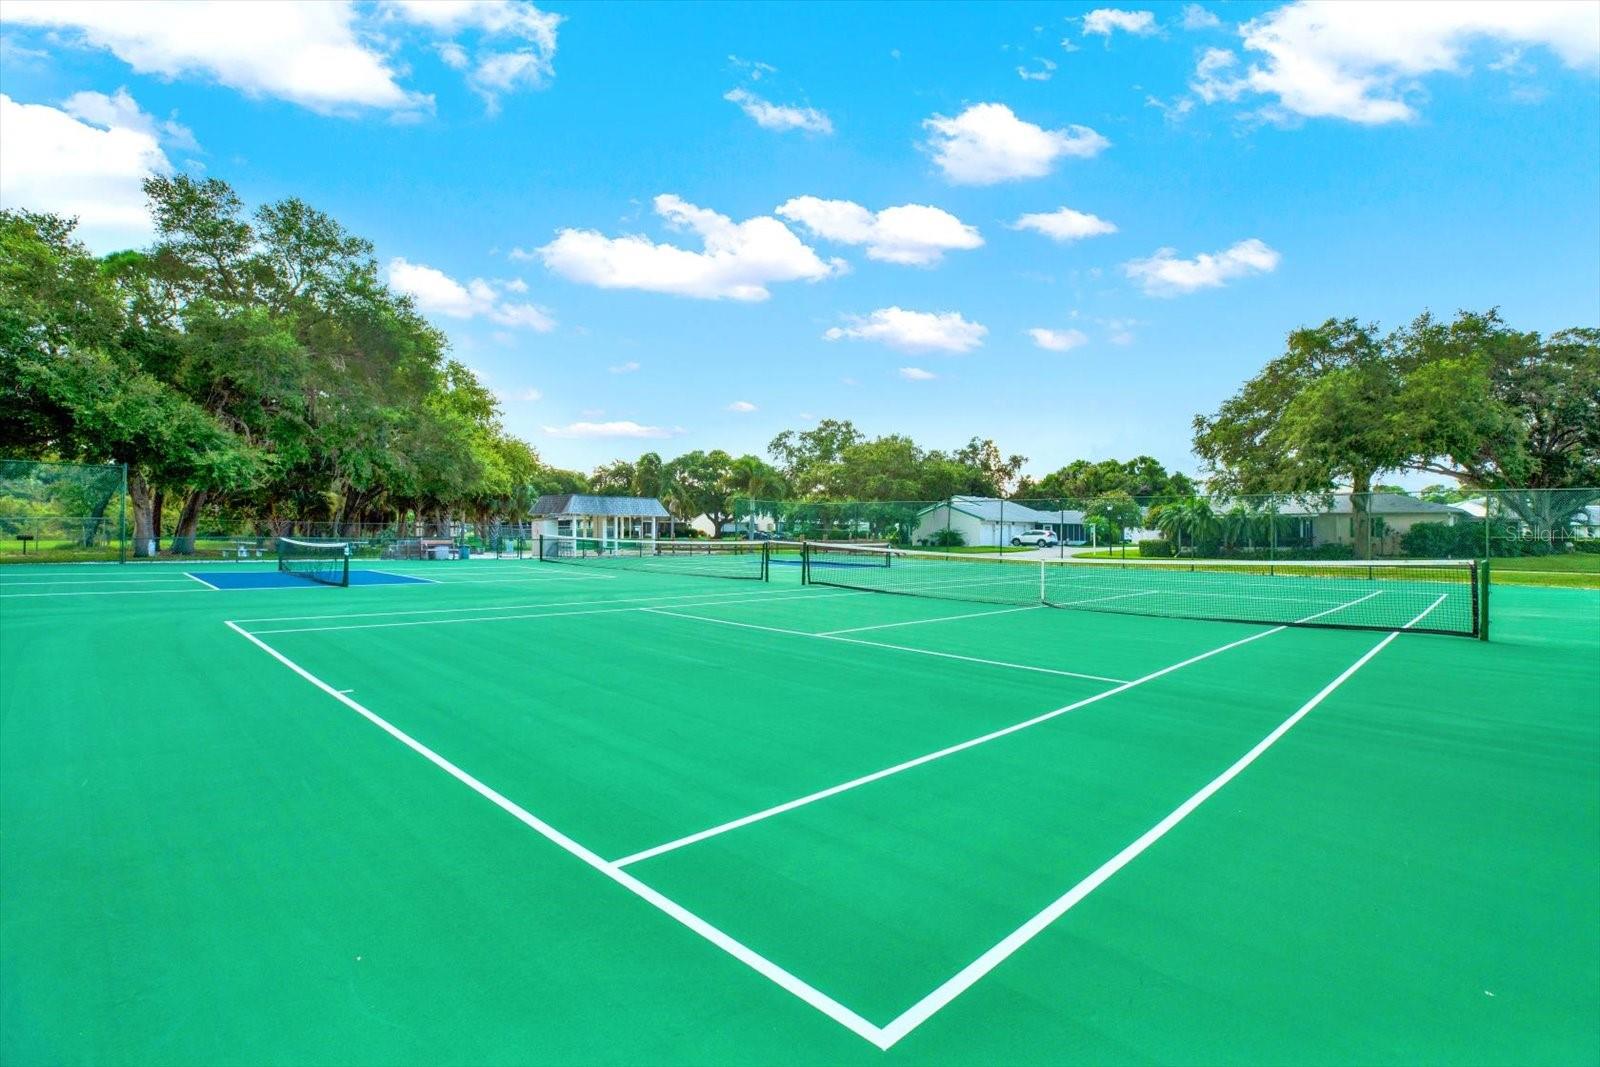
[
  {"x": 965, "y": 978},
  {"x": 919, "y": 622},
  {"x": 950, "y": 750},
  {"x": 9, "y": 582},
  {"x": 525, "y": 581},
  {"x": 749, "y": 957},
  {"x": 1349, "y": 604},
  {"x": 704, "y": 603},
  {"x": 202, "y": 581},
  {"x": 112, "y": 592},
  {"x": 550, "y": 604},
  {"x": 401, "y": 574},
  {"x": 823, "y": 794},
  {"x": 1427, "y": 610},
  {"x": 878, "y": 644},
  {"x": 1098, "y": 599}
]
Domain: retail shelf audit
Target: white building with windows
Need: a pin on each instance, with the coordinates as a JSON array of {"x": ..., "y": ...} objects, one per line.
[
  {"x": 987, "y": 520},
  {"x": 604, "y": 517}
]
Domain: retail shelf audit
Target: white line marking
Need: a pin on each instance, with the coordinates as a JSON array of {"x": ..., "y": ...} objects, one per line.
[
  {"x": 787, "y": 594},
  {"x": 103, "y": 592},
  {"x": 1341, "y": 607},
  {"x": 950, "y": 750},
  {"x": 750, "y": 958},
  {"x": 202, "y": 581},
  {"x": 1427, "y": 610},
  {"x": 529, "y": 615},
  {"x": 9, "y": 582},
  {"x": 919, "y": 622},
  {"x": 1098, "y": 599},
  {"x": 880, "y": 644},
  {"x": 963, "y": 980},
  {"x": 401, "y": 574}
]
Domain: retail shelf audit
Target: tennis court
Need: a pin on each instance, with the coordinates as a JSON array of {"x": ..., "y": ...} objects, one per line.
[{"x": 616, "y": 810}]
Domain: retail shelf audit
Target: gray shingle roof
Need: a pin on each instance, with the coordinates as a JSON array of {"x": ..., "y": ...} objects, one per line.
[
  {"x": 594, "y": 504},
  {"x": 1377, "y": 504},
  {"x": 993, "y": 509}
]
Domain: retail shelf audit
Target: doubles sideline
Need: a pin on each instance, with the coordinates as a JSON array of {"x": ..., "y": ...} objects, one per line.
[
  {"x": 950, "y": 750},
  {"x": 887, "y": 1036}
]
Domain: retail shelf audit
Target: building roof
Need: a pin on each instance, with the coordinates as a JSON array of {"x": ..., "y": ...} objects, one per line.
[
  {"x": 1377, "y": 504},
  {"x": 630, "y": 507},
  {"x": 993, "y": 509}
]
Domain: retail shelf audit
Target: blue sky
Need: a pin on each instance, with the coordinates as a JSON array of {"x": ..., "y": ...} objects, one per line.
[{"x": 1066, "y": 227}]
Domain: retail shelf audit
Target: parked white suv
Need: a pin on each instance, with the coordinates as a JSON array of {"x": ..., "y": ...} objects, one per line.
[{"x": 1036, "y": 538}]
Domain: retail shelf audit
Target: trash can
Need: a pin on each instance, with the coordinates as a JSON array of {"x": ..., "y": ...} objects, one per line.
[{"x": 466, "y": 552}]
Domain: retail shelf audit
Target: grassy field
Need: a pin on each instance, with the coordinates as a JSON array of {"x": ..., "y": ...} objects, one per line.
[{"x": 1576, "y": 570}]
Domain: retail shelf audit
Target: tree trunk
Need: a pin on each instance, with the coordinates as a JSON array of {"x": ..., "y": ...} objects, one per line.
[
  {"x": 188, "y": 520},
  {"x": 1360, "y": 514},
  {"x": 145, "y": 530}
]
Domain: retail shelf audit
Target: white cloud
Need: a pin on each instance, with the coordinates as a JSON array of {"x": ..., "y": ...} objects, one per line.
[
  {"x": 1196, "y": 17},
  {"x": 913, "y": 331},
  {"x": 770, "y": 116},
  {"x": 453, "y": 55},
  {"x": 743, "y": 407},
  {"x": 436, "y": 293},
  {"x": 515, "y": 285},
  {"x": 517, "y": 41},
  {"x": 624, "y": 368},
  {"x": 753, "y": 68},
  {"x": 1105, "y": 20},
  {"x": 1164, "y": 274},
  {"x": 987, "y": 143},
  {"x": 917, "y": 374},
  {"x": 1042, "y": 72},
  {"x": 310, "y": 54},
  {"x": 1058, "y": 340},
  {"x": 530, "y": 395},
  {"x": 739, "y": 259},
  {"x": 1175, "y": 111},
  {"x": 1065, "y": 224},
  {"x": 1120, "y": 331},
  {"x": 89, "y": 165},
  {"x": 1360, "y": 62},
  {"x": 111, "y": 112},
  {"x": 915, "y": 234},
  {"x": 620, "y": 428}
]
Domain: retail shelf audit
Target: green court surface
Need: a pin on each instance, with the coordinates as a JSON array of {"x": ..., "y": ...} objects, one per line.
[{"x": 535, "y": 812}]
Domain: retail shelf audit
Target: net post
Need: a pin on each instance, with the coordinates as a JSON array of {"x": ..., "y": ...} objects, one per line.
[{"x": 1480, "y": 606}]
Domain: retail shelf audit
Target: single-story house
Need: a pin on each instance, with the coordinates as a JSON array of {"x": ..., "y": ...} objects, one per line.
[
  {"x": 745, "y": 527},
  {"x": 1331, "y": 522},
  {"x": 604, "y": 517},
  {"x": 987, "y": 520},
  {"x": 1586, "y": 522}
]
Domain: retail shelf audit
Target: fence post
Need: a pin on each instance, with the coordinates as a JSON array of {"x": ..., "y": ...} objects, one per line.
[{"x": 122, "y": 518}]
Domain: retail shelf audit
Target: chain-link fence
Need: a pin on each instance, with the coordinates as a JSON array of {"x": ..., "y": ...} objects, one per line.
[
  {"x": 1379, "y": 525},
  {"x": 62, "y": 510}
]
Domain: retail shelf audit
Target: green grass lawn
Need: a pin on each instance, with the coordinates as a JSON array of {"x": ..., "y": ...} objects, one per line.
[
  {"x": 990, "y": 550},
  {"x": 1575, "y": 570}
]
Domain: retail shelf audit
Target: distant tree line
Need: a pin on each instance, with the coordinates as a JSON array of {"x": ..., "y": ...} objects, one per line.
[
  {"x": 250, "y": 366},
  {"x": 255, "y": 367}
]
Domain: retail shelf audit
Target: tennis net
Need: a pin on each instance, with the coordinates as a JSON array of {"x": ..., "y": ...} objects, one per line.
[
  {"x": 710, "y": 559},
  {"x": 327, "y": 562},
  {"x": 1429, "y": 596}
]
